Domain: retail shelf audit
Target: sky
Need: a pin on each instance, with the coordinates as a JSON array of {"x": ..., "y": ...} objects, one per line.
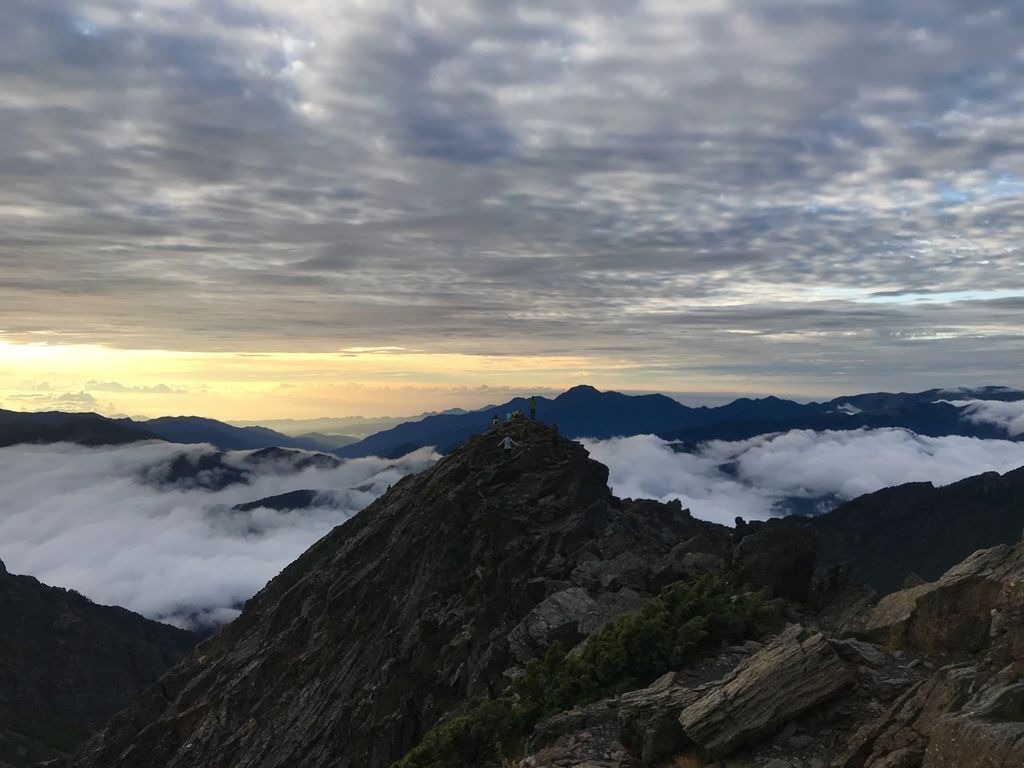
[{"x": 303, "y": 208}]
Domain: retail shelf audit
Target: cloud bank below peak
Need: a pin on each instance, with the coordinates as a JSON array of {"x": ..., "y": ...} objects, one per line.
[
  {"x": 105, "y": 522},
  {"x": 797, "y": 470}
]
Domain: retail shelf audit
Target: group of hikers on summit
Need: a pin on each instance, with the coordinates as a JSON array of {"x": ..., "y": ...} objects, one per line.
[
  {"x": 507, "y": 442},
  {"x": 516, "y": 414}
]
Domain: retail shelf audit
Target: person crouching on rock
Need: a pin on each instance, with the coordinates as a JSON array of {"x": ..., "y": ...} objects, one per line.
[{"x": 507, "y": 444}]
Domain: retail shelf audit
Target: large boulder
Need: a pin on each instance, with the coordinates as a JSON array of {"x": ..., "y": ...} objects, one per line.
[
  {"x": 958, "y": 612},
  {"x": 556, "y": 619},
  {"x": 649, "y": 718},
  {"x": 797, "y": 671}
]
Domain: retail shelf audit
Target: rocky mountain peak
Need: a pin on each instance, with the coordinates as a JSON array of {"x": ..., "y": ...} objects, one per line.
[
  {"x": 457, "y": 580},
  {"x": 430, "y": 597}
]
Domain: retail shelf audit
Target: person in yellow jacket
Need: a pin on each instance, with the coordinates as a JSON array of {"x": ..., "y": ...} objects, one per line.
[{"x": 533, "y": 408}]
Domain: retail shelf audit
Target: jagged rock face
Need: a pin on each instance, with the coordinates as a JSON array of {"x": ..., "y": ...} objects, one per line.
[
  {"x": 64, "y": 660},
  {"x": 988, "y": 733},
  {"x": 402, "y": 614},
  {"x": 904, "y": 730},
  {"x": 798, "y": 671},
  {"x": 955, "y": 613},
  {"x": 810, "y": 699}
]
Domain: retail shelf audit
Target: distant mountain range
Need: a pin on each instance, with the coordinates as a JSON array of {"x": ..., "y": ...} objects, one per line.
[
  {"x": 194, "y": 429},
  {"x": 59, "y": 427},
  {"x": 579, "y": 412},
  {"x": 92, "y": 429},
  {"x": 356, "y": 427},
  {"x": 586, "y": 412}
]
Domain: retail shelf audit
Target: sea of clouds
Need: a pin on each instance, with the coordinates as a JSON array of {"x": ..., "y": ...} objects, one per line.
[
  {"x": 101, "y": 521},
  {"x": 94, "y": 520},
  {"x": 765, "y": 475}
]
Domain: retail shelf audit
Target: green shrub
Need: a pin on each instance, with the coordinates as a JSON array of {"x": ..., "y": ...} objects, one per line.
[{"x": 666, "y": 633}]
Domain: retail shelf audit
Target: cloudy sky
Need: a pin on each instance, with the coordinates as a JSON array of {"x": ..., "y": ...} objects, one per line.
[{"x": 308, "y": 208}]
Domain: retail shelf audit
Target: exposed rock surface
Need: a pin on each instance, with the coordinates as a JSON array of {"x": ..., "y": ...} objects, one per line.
[
  {"x": 567, "y": 617},
  {"x": 798, "y": 671},
  {"x": 988, "y": 733},
  {"x": 954, "y": 614},
  {"x": 402, "y": 614},
  {"x": 71, "y": 664},
  {"x": 902, "y": 733},
  {"x": 808, "y": 699}
]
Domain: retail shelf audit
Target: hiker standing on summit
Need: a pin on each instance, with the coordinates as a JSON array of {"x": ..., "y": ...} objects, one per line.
[
  {"x": 507, "y": 443},
  {"x": 533, "y": 408}
]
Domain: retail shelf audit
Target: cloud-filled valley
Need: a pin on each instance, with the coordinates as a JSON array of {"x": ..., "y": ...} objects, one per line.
[
  {"x": 124, "y": 527},
  {"x": 101, "y": 521},
  {"x": 797, "y": 470}
]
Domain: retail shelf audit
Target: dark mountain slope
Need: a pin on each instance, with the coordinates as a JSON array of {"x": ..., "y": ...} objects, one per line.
[
  {"x": 92, "y": 429},
  {"x": 402, "y": 614},
  {"x": 67, "y": 665},
  {"x": 58, "y": 427},
  {"x": 920, "y": 529},
  {"x": 327, "y": 442}
]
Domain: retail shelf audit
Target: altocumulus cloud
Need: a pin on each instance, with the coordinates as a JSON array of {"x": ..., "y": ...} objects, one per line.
[
  {"x": 757, "y": 478},
  {"x": 730, "y": 184},
  {"x": 86, "y": 519}
]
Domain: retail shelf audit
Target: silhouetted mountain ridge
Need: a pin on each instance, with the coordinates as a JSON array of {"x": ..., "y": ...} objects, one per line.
[{"x": 584, "y": 411}]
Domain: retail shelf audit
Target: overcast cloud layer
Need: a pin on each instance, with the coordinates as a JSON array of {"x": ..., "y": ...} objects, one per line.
[
  {"x": 97, "y": 521},
  {"x": 715, "y": 186}
]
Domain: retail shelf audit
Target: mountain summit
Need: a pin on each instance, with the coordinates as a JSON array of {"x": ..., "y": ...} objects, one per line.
[
  {"x": 399, "y": 616},
  {"x": 433, "y": 630}
]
